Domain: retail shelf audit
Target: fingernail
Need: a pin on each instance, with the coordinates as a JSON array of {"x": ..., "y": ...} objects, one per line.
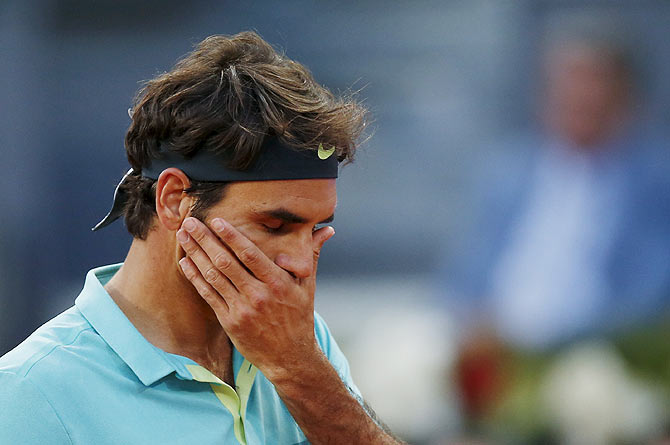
[
  {"x": 182, "y": 236},
  {"x": 218, "y": 224},
  {"x": 183, "y": 263},
  {"x": 189, "y": 225}
]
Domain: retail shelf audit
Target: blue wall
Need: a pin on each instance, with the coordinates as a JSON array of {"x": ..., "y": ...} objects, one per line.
[{"x": 441, "y": 78}]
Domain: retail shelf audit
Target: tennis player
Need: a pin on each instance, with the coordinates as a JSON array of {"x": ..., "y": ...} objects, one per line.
[{"x": 207, "y": 332}]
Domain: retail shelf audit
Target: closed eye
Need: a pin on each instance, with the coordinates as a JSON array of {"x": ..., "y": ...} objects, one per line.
[
  {"x": 282, "y": 228},
  {"x": 274, "y": 228},
  {"x": 280, "y": 221}
]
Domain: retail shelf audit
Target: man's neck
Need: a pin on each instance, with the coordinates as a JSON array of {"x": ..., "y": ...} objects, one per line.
[{"x": 166, "y": 309}]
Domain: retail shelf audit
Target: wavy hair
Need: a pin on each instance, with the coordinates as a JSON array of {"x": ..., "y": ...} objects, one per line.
[{"x": 230, "y": 93}]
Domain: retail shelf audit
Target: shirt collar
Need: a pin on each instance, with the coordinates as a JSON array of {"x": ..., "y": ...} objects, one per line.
[{"x": 148, "y": 362}]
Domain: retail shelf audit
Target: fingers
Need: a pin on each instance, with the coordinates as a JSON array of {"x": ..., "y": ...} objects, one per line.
[
  {"x": 212, "y": 258},
  {"x": 212, "y": 296},
  {"x": 216, "y": 262},
  {"x": 217, "y": 272},
  {"x": 246, "y": 251}
]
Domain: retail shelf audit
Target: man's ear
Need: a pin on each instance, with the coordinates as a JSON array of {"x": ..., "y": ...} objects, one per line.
[{"x": 172, "y": 204}]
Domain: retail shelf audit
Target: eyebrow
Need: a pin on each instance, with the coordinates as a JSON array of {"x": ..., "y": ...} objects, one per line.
[{"x": 291, "y": 218}]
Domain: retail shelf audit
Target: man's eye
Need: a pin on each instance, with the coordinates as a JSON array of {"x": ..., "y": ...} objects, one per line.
[{"x": 273, "y": 228}]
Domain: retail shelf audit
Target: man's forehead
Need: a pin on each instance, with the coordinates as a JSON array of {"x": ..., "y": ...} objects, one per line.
[
  {"x": 303, "y": 197},
  {"x": 313, "y": 189}
]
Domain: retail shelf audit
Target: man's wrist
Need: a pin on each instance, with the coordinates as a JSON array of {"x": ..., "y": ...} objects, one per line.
[{"x": 297, "y": 373}]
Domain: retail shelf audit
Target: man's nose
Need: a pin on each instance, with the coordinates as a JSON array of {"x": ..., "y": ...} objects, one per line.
[{"x": 297, "y": 258}]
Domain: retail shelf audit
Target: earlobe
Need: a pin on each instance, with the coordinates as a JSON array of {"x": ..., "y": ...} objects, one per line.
[{"x": 172, "y": 204}]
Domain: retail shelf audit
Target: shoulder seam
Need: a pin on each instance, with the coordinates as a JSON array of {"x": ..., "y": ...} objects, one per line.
[
  {"x": 46, "y": 399},
  {"x": 25, "y": 374},
  {"x": 67, "y": 433}
]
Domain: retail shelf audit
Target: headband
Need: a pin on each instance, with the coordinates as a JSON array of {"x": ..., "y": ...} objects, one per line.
[{"x": 276, "y": 161}]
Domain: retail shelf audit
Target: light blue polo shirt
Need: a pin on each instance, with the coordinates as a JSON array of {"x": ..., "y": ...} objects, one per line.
[{"x": 89, "y": 377}]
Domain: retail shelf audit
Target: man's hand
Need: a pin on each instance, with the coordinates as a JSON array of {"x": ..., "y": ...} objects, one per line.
[
  {"x": 267, "y": 313},
  {"x": 269, "y": 316}
]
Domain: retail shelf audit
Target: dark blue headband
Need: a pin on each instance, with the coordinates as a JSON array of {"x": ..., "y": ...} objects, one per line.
[{"x": 276, "y": 161}]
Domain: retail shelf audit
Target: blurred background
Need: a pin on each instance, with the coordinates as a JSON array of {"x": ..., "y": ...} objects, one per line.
[{"x": 501, "y": 269}]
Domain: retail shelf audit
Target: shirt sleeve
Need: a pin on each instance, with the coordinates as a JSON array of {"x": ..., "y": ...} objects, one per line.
[
  {"x": 335, "y": 355},
  {"x": 27, "y": 416}
]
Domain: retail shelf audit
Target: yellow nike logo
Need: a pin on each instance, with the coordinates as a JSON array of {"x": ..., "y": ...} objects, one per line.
[{"x": 325, "y": 153}]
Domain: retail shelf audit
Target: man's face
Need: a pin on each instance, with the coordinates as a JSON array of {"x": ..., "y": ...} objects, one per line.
[
  {"x": 279, "y": 217},
  {"x": 586, "y": 96}
]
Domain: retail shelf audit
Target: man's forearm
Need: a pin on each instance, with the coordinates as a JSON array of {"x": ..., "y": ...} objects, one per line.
[{"x": 324, "y": 408}]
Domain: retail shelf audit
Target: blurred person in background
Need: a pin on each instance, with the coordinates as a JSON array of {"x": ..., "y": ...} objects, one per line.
[{"x": 572, "y": 239}]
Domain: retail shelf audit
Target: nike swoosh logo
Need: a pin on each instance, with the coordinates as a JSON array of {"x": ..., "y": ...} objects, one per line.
[{"x": 325, "y": 153}]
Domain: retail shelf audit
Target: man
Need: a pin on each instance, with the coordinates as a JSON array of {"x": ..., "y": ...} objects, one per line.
[
  {"x": 571, "y": 241},
  {"x": 207, "y": 332},
  {"x": 572, "y": 238}
]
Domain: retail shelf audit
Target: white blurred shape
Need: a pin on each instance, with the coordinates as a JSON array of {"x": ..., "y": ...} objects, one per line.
[
  {"x": 400, "y": 361},
  {"x": 590, "y": 398}
]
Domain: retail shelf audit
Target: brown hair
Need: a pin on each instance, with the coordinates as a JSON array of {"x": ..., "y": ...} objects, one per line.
[{"x": 229, "y": 94}]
